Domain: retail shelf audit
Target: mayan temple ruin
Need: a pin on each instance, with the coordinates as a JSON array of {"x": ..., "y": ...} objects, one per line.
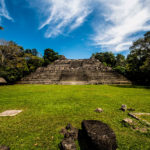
[{"x": 72, "y": 72}]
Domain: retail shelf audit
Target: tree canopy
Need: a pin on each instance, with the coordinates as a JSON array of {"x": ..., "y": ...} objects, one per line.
[
  {"x": 49, "y": 56},
  {"x": 107, "y": 58},
  {"x": 138, "y": 61},
  {"x": 15, "y": 62}
]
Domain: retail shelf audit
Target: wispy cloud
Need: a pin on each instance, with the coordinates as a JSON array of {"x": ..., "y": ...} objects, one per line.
[
  {"x": 121, "y": 19},
  {"x": 3, "y": 11},
  {"x": 63, "y": 15}
]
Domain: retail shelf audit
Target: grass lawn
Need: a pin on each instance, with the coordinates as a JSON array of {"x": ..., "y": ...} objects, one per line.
[
  {"x": 146, "y": 117},
  {"x": 48, "y": 108}
]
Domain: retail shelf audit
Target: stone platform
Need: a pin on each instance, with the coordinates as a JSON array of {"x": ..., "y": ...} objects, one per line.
[{"x": 75, "y": 72}]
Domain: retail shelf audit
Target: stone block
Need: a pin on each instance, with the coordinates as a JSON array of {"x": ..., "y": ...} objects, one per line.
[{"x": 99, "y": 136}]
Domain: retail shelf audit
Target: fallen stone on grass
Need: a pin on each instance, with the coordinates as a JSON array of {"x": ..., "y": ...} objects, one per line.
[
  {"x": 70, "y": 135},
  {"x": 146, "y": 122},
  {"x": 99, "y": 136},
  {"x": 140, "y": 114},
  {"x": 128, "y": 121},
  {"x": 68, "y": 144},
  {"x": 99, "y": 110},
  {"x": 94, "y": 135},
  {"x": 70, "y": 132},
  {"x": 63, "y": 131},
  {"x": 142, "y": 130},
  {"x": 134, "y": 126},
  {"x": 123, "y": 107},
  {"x": 137, "y": 116},
  {"x": 4, "y": 147},
  {"x": 133, "y": 116},
  {"x": 10, "y": 113}
]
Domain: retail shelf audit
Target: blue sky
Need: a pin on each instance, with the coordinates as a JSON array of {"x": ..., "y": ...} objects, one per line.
[{"x": 75, "y": 28}]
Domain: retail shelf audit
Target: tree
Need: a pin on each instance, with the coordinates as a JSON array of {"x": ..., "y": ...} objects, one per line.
[
  {"x": 32, "y": 51},
  {"x": 33, "y": 62},
  {"x": 50, "y": 56},
  {"x": 107, "y": 58},
  {"x": 139, "y": 59},
  {"x": 8, "y": 51},
  {"x": 28, "y": 51},
  {"x": 120, "y": 64},
  {"x": 120, "y": 60},
  {"x": 15, "y": 63}
]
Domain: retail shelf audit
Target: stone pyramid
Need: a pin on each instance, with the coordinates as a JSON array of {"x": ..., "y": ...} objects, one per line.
[{"x": 72, "y": 72}]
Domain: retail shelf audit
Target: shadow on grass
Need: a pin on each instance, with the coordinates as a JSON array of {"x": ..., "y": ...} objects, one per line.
[{"x": 131, "y": 86}]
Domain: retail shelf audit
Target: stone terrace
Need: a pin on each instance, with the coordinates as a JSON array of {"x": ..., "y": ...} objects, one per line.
[{"x": 72, "y": 72}]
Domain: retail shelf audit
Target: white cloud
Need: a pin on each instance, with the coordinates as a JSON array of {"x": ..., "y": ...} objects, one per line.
[
  {"x": 121, "y": 19},
  {"x": 3, "y": 11},
  {"x": 125, "y": 18},
  {"x": 63, "y": 15}
]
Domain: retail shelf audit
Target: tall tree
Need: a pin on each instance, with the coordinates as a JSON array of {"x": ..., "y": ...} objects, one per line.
[
  {"x": 28, "y": 51},
  {"x": 139, "y": 59},
  {"x": 49, "y": 56},
  {"x": 107, "y": 58},
  {"x": 8, "y": 50},
  {"x": 15, "y": 63},
  {"x": 120, "y": 64},
  {"x": 120, "y": 60},
  {"x": 32, "y": 51}
]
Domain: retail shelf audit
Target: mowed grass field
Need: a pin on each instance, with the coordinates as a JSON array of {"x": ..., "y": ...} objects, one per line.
[{"x": 48, "y": 108}]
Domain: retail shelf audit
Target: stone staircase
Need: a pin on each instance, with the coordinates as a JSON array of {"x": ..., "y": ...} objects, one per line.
[{"x": 72, "y": 72}]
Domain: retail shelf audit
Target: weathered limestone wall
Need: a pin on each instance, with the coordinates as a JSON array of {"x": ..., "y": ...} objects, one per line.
[{"x": 82, "y": 71}]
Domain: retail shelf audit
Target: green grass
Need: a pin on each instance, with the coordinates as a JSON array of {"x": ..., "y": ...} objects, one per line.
[
  {"x": 48, "y": 108},
  {"x": 146, "y": 117}
]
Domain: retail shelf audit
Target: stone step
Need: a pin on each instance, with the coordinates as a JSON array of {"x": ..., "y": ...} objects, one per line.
[{"x": 75, "y": 72}]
